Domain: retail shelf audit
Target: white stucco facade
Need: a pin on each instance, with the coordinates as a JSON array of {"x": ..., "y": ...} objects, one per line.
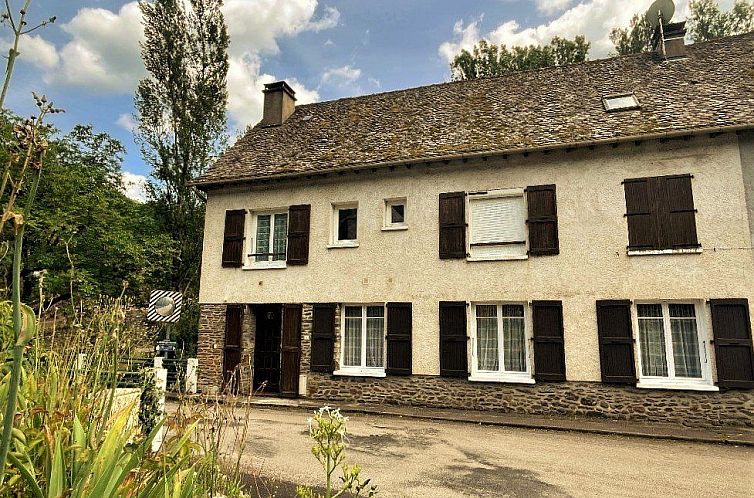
[{"x": 393, "y": 266}]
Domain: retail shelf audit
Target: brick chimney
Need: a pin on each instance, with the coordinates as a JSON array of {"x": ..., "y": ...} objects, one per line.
[
  {"x": 668, "y": 40},
  {"x": 279, "y": 103}
]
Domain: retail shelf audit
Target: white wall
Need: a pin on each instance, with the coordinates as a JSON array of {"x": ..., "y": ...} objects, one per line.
[{"x": 404, "y": 266}]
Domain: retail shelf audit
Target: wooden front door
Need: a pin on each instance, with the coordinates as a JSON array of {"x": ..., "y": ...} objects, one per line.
[
  {"x": 267, "y": 347},
  {"x": 232, "y": 347},
  {"x": 291, "y": 347}
]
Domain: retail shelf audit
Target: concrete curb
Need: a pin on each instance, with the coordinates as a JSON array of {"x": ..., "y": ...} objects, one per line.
[{"x": 499, "y": 420}]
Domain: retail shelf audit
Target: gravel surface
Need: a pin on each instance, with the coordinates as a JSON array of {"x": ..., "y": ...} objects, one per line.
[{"x": 419, "y": 458}]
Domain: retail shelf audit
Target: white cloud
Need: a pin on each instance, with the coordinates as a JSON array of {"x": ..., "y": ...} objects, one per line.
[
  {"x": 591, "y": 18},
  {"x": 35, "y": 50},
  {"x": 134, "y": 186},
  {"x": 127, "y": 122},
  {"x": 553, "y": 6},
  {"x": 103, "y": 54},
  {"x": 341, "y": 75}
]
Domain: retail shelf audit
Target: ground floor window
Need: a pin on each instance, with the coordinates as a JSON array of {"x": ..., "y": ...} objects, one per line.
[
  {"x": 500, "y": 341},
  {"x": 363, "y": 339},
  {"x": 671, "y": 345}
]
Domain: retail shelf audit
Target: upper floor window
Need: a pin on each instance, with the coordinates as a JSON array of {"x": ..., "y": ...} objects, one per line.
[
  {"x": 671, "y": 345},
  {"x": 270, "y": 239},
  {"x": 497, "y": 224},
  {"x": 661, "y": 215},
  {"x": 345, "y": 225},
  {"x": 395, "y": 214}
]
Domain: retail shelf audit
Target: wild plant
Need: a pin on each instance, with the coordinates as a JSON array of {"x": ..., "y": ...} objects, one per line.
[{"x": 328, "y": 430}]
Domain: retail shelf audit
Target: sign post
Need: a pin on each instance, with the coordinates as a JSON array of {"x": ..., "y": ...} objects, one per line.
[{"x": 165, "y": 307}]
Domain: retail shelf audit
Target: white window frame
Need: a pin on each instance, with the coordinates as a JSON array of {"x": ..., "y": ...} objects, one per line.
[
  {"x": 493, "y": 194},
  {"x": 387, "y": 224},
  {"x": 501, "y": 376},
  {"x": 334, "y": 242},
  {"x": 610, "y": 102},
  {"x": 251, "y": 262},
  {"x": 362, "y": 370},
  {"x": 672, "y": 382}
]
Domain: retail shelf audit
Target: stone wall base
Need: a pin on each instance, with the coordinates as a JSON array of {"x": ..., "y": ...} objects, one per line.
[{"x": 693, "y": 409}]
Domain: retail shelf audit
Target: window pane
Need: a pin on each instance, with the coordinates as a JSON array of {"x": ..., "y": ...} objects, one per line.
[
  {"x": 487, "y": 343},
  {"x": 652, "y": 340},
  {"x": 352, "y": 337},
  {"x": 347, "y": 224},
  {"x": 514, "y": 338},
  {"x": 280, "y": 237},
  {"x": 397, "y": 213},
  {"x": 263, "y": 238},
  {"x": 375, "y": 339},
  {"x": 685, "y": 341},
  {"x": 376, "y": 311}
]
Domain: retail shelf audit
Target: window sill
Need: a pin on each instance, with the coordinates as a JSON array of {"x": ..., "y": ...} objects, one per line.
[
  {"x": 677, "y": 386},
  {"x": 394, "y": 228},
  {"x": 522, "y": 257},
  {"x": 343, "y": 245},
  {"x": 360, "y": 372},
  {"x": 660, "y": 252},
  {"x": 266, "y": 266},
  {"x": 507, "y": 379}
]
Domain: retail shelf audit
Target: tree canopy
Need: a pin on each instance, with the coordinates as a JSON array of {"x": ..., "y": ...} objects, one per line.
[
  {"x": 487, "y": 60},
  {"x": 705, "y": 22}
]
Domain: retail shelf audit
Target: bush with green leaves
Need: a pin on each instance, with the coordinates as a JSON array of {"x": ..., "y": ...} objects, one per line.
[{"x": 328, "y": 430}]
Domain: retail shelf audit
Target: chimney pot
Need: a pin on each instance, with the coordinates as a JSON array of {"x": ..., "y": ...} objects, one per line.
[
  {"x": 671, "y": 36},
  {"x": 279, "y": 103}
]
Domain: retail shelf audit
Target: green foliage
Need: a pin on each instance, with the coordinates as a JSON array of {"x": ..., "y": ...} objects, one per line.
[
  {"x": 181, "y": 107},
  {"x": 634, "y": 39},
  {"x": 487, "y": 60},
  {"x": 707, "y": 21},
  {"x": 328, "y": 430},
  {"x": 149, "y": 402}
]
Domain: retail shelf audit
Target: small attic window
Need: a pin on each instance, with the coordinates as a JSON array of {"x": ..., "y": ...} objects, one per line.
[{"x": 620, "y": 102}]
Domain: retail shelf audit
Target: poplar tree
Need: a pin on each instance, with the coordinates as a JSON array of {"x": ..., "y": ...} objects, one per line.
[{"x": 181, "y": 113}]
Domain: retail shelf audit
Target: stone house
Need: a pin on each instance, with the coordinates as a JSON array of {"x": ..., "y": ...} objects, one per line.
[{"x": 572, "y": 240}]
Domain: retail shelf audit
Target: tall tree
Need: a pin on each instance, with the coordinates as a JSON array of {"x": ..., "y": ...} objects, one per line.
[
  {"x": 181, "y": 107},
  {"x": 705, "y": 22},
  {"x": 634, "y": 39},
  {"x": 486, "y": 60}
]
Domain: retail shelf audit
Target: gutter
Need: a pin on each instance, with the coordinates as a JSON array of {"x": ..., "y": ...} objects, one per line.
[{"x": 206, "y": 185}]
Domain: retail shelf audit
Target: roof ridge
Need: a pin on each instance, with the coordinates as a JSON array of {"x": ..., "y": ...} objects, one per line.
[{"x": 694, "y": 46}]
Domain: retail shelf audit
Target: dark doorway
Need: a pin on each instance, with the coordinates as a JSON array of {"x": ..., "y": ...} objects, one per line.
[
  {"x": 269, "y": 319},
  {"x": 291, "y": 346}
]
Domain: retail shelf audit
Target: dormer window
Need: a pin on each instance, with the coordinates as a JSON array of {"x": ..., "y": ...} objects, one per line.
[{"x": 620, "y": 102}]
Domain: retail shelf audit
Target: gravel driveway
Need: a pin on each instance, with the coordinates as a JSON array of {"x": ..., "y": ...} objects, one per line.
[{"x": 419, "y": 458}]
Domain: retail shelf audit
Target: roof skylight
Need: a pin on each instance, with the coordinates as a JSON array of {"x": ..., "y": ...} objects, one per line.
[{"x": 620, "y": 102}]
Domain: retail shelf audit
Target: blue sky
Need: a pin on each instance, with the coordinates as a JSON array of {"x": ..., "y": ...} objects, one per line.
[{"x": 88, "y": 61}]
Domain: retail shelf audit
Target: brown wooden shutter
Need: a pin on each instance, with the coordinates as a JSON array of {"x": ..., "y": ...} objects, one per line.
[
  {"x": 676, "y": 213},
  {"x": 232, "y": 347},
  {"x": 233, "y": 238},
  {"x": 399, "y": 318},
  {"x": 323, "y": 338},
  {"x": 453, "y": 339},
  {"x": 298, "y": 234},
  {"x": 616, "y": 342},
  {"x": 542, "y": 220},
  {"x": 731, "y": 327},
  {"x": 452, "y": 216},
  {"x": 549, "y": 347},
  {"x": 290, "y": 360},
  {"x": 640, "y": 214}
]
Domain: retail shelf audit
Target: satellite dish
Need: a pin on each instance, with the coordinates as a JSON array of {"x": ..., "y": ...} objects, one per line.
[{"x": 661, "y": 11}]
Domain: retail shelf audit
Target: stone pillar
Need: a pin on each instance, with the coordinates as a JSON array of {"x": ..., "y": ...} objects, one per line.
[
  {"x": 248, "y": 336},
  {"x": 191, "y": 378},
  {"x": 210, "y": 347},
  {"x": 336, "y": 345}
]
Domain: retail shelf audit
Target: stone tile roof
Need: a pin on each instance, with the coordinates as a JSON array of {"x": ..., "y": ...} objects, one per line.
[{"x": 553, "y": 107}]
